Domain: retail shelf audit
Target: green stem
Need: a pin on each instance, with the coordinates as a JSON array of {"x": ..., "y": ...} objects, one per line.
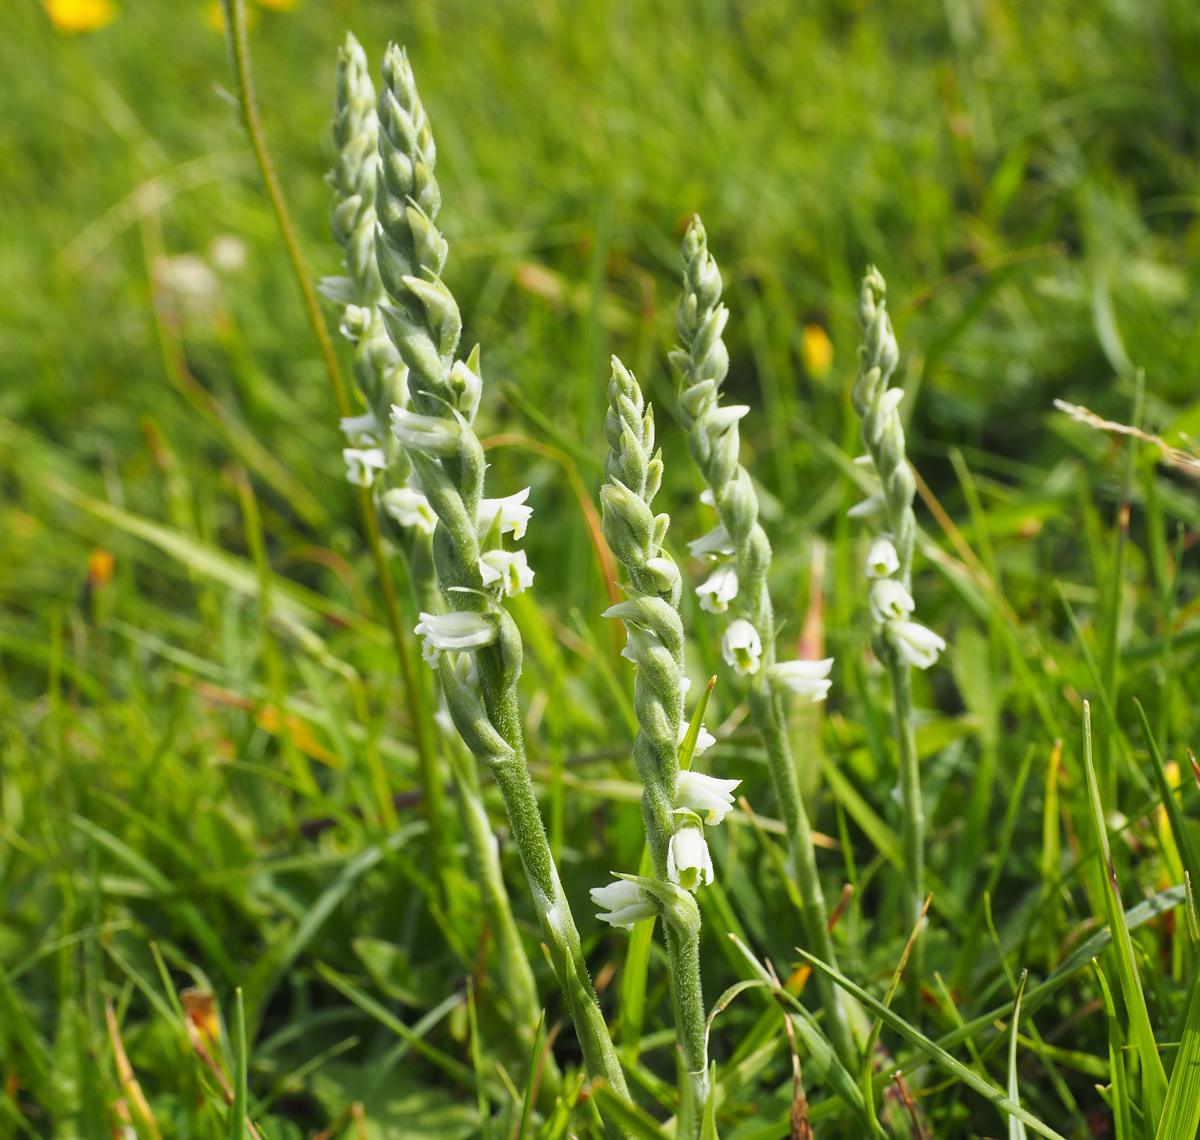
[
  {"x": 554, "y": 912},
  {"x": 913, "y": 812},
  {"x": 515, "y": 974},
  {"x": 239, "y": 48},
  {"x": 768, "y": 718}
]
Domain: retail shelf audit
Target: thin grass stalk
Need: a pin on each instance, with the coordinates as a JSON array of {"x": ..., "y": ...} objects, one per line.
[{"x": 239, "y": 50}]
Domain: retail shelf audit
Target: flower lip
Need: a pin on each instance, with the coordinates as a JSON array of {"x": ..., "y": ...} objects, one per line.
[
  {"x": 688, "y": 860},
  {"x": 882, "y": 559},
  {"x": 718, "y": 589},
  {"x": 742, "y": 647},
  {"x": 890, "y": 601},
  {"x": 509, "y": 569}
]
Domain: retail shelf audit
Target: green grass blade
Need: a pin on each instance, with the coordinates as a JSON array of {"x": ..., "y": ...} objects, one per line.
[
  {"x": 1121, "y": 1094},
  {"x": 1154, "y": 1079},
  {"x": 237, "y": 1110},
  {"x": 1181, "y": 1114},
  {"x": 1016, "y": 1127},
  {"x": 535, "y": 1058},
  {"x": 993, "y": 1093}
]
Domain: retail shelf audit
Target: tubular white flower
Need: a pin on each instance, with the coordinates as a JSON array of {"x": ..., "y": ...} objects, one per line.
[
  {"x": 804, "y": 678},
  {"x": 882, "y": 559},
  {"x": 409, "y": 508},
  {"x": 507, "y": 568},
  {"x": 511, "y": 511},
  {"x": 625, "y": 902},
  {"x": 916, "y": 644},
  {"x": 453, "y": 631},
  {"x": 709, "y": 797},
  {"x": 742, "y": 647},
  {"x": 716, "y": 544},
  {"x": 718, "y": 589},
  {"x": 431, "y": 435},
  {"x": 361, "y": 431},
  {"x": 688, "y": 862},
  {"x": 704, "y": 739},
  {"x": 362, "y": 463},
  {"x": 890, "y": 601}
]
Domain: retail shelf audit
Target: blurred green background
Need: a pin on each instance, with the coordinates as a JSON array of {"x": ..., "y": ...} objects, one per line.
[{"x": 1025, "y": 174}]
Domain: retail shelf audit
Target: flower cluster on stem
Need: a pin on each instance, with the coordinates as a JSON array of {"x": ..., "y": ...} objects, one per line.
[
  {"x": 676, "y": 805},
  {"x": 476, "y": 645},
  {"x": 739, "y": 545},
  {"x": 900, "y": 642},
  {"x": 373, "y": 459}
]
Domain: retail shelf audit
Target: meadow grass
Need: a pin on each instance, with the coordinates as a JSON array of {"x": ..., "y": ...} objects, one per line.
[{"x": 215, "y": 859}]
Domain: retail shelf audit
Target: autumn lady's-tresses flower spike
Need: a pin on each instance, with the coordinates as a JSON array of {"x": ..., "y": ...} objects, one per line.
[
  {"x": 436, "y": 428},
  {"x": 675, "y": 804},
  {"x": 900, "y": 642},
  {"x": 739, "y": 542}
]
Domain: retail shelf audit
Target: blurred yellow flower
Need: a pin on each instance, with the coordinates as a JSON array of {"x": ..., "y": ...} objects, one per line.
[
  {"x": 817, "y": 351},
  {"x": 214, "y": 13},
  {"x": 72, "y": 16}
]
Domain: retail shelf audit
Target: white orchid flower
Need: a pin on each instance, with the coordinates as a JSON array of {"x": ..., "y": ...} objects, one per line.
[
  {"x": 805, "y": 678},
  {"x": 409, "y": 508},
  {"x": 507, "y": 568},
  {"x": 361, "y": 431},
  {"x": 457, "y": 630},
  {"x": 688, "y": 862},
  {"x": 890, "y": 601},
  {"x": 511, "y": 511},
  {"x": 704, "y": 739},
  {"x": 718, "y": 589},
  {"x": 916, "y": 644},
  {"x": 431, "y": 435},
  {"x": 362, "y": 463},
  {"x": 709, "y": 797},
  {"x": 625, "y": 903},
  {"x": 882, "y": 559},
  {"x": 742, "y": 647},
  {"x": 717, "y": 543}
]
